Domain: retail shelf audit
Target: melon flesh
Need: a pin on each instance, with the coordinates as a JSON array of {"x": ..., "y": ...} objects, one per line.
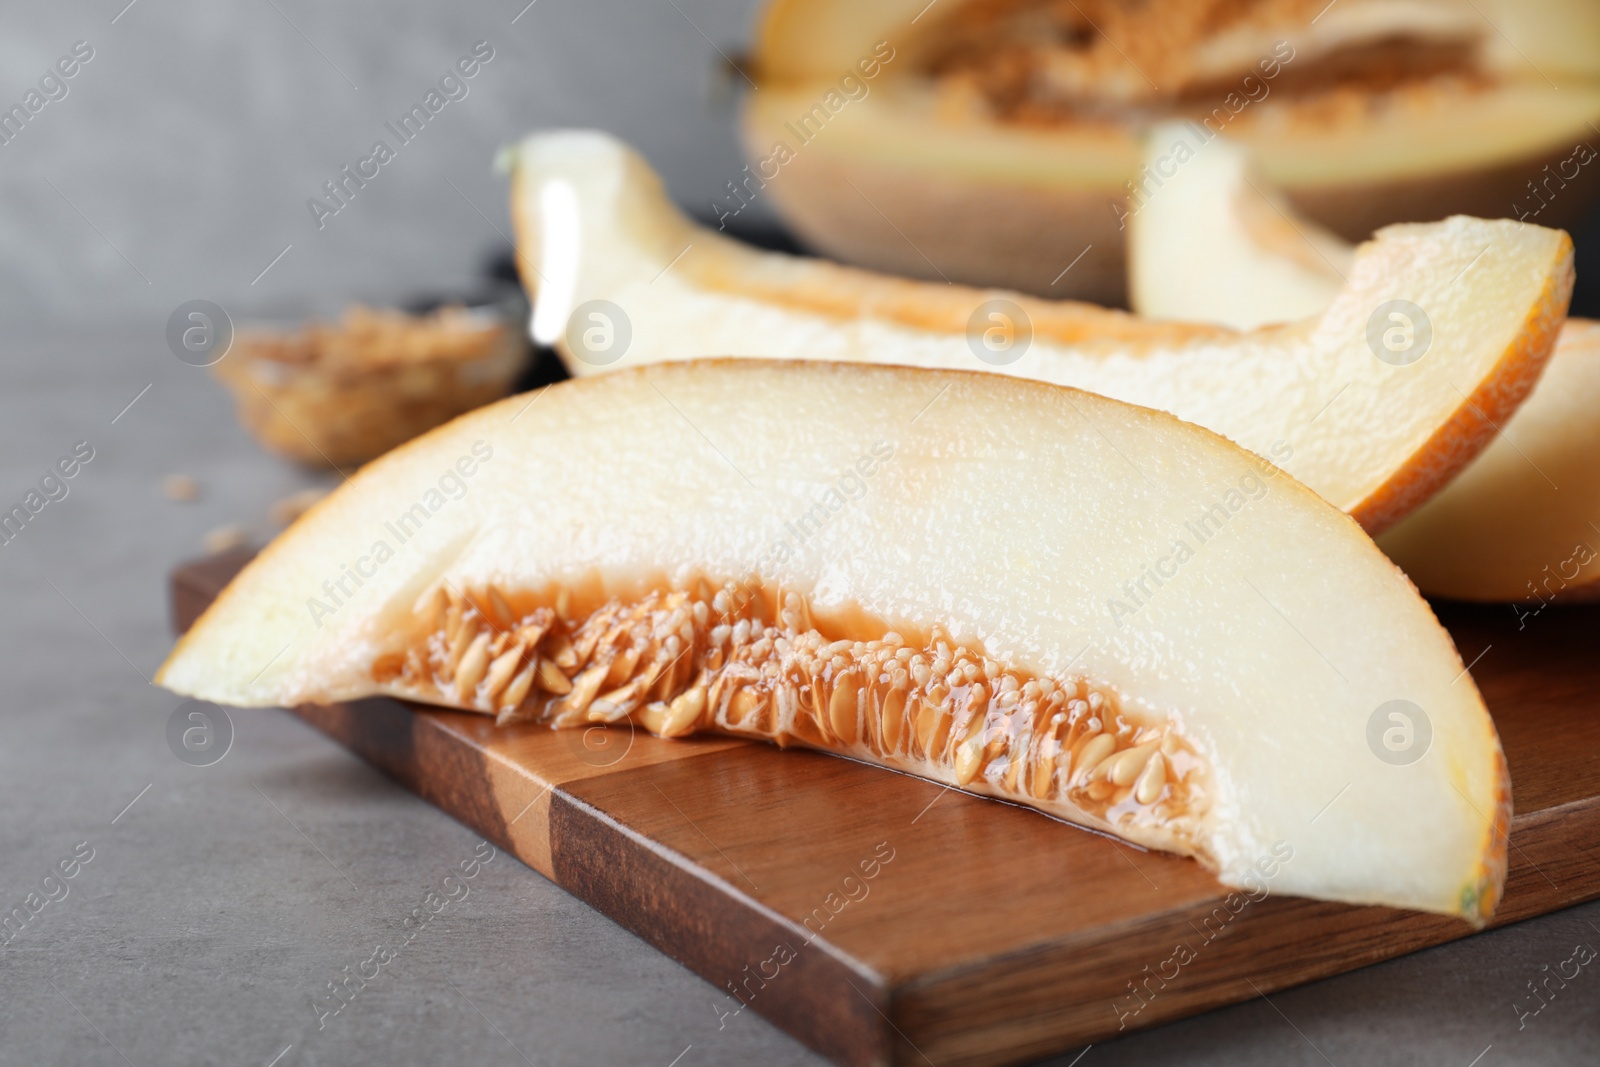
[
  {"x": 1522, "y": 521},
  {"x": 1373, "y": 438},
  {"x": 1028, "y": 592}
]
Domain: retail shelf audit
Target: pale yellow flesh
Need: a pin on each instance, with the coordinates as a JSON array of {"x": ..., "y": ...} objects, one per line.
[
  {"x": 1519, "y": 523},
  {"x": 1373, "y": 438},
  {"x": 1013, "y": 515}
]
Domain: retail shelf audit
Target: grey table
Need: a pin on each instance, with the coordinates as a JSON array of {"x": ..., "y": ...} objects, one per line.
[{"x": 220, "y": 901}]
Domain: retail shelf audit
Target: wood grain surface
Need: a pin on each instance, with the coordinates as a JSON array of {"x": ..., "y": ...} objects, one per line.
[{"x": 883, "y": 919}]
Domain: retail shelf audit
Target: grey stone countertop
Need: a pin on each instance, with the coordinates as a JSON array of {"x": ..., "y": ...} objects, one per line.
[{"x": 220, "y": 901}]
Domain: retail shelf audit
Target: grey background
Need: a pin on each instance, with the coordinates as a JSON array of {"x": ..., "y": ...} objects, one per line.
[
  {"x": 184, "y": 153},
  {"x": 225, "y": 897}
]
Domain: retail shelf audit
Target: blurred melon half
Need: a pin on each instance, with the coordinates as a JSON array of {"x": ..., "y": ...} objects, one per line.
[{"x": 996, "y": 143}]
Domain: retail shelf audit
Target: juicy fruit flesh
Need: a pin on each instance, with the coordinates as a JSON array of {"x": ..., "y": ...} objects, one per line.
[
  {"x": 1314, "y": 397},
  {"x": 755, "y": 663},
  {"x": 1060, "y": 534}
]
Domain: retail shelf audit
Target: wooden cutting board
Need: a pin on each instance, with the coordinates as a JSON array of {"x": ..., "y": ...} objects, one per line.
[{"x": 882, "y": 919}]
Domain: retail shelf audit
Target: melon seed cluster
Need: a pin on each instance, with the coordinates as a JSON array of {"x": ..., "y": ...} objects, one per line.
[{"x": 678, "y": 662}]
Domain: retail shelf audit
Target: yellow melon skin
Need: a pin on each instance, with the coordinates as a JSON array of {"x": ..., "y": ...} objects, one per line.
[{"x": 860, "y": 512}]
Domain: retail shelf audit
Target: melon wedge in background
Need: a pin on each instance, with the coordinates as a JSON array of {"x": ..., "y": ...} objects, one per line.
[
  {"x": 1216, "y": 243},
  {"x": 1522, "y": 522},
  {"x": 1035, "y": 593},
  {"x": 621, "y": 277}
]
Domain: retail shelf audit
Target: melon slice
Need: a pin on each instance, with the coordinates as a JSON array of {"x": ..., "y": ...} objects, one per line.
[
  {"x": 1218, "y": 244},
  {"x": 1522, "y": 522},
  {"x": 622, "y": 278},
  {"x": 1029, "y": 592},
  {"x": 992, "y": 142}
]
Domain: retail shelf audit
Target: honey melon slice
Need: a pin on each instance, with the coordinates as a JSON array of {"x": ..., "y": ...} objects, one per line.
[
  {"x": 1024, "y": 591},
  {"x": 1522, "y": 521},
  {"x": 621, "y": 277}
]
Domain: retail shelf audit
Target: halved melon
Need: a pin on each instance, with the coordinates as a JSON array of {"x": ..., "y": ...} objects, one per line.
[
  {"x": 1372, "y": 437},
  {"x": 1035, "y": 593},
  {"x": 994, "y": 141},
  {"x": 1522, "y": 521}
]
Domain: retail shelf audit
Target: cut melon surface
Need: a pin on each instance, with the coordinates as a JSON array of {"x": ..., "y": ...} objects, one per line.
[
  {"x": 1373, "y": 437},
  {"x": 1522, "y": 521},
  {"x": 1024, "y": 591}
]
